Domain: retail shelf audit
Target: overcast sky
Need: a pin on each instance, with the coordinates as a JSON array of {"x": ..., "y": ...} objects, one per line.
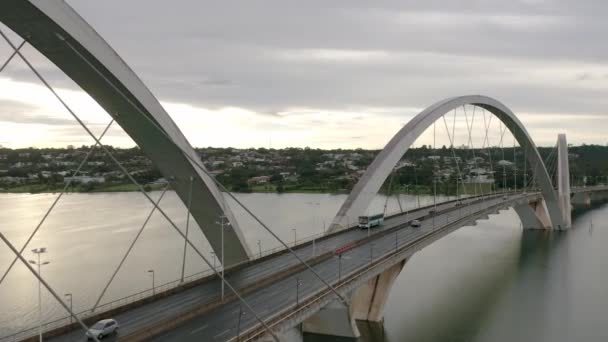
[{"x": 329, "y": 74}]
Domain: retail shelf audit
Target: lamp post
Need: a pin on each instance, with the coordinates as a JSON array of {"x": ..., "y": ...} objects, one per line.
[
  {"x": 153, "y": 289},
  {"x": 434, "y": 199},
  {"x": 223, "y": 223},
  {"x": 339, "y": 267},
  {"x": 298, "y": 283},
  {"x": 238, "y": 326},
  {"x": 69, "y": 295},
  {"x": 396, "y": 241},
  {"x": 38, "y": 263},
  {"x": 260, "y": 247}
]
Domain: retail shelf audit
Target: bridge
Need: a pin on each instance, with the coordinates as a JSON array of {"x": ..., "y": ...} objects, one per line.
[{"x": 319, "y": 286}]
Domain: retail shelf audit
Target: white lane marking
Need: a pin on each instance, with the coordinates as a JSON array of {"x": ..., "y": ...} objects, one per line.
[
  {"x": 198, "y": 329},
  {"x": 222, "y": 333}
]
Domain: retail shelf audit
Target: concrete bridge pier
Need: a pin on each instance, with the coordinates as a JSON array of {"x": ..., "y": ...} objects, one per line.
[
  {"x": 368, "y": 300},
  {"x": 292, "y": 335},
  {"x": 533, "y": 215},
  {"x": 334, "y": 321},
  {"x": 338, "y": 323},
  {"x": 563, "y": 180}
]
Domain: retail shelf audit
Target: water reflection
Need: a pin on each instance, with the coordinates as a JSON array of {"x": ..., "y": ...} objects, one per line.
[{"x": 490, "y": 282}]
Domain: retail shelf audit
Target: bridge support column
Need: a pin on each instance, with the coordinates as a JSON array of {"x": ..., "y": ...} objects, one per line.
[
  {"x": 333, "y": 321},
  {"x": 368, "y": 301},
  {"x": 563, "y": 180},
  {"x": 291, "y": 335},
  {"x": 533, "y": 215}
]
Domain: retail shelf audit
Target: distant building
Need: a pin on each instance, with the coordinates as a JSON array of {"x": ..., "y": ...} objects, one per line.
[
  {"x": 84, "y": 179},
  {"x": 11, "y": 180},
  {"x": 65, "y": 163},
  {"x": 217, "y": 163},
  {"x": 259, "y": 180},
  {"x": 20, "y": 164}
]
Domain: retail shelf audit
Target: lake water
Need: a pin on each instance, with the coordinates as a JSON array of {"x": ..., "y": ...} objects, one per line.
[{"x": 490, "y": 282}]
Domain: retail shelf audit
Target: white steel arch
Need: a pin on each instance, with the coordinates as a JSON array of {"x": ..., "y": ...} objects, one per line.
[
  {"x": 68, "y": 41},
  {"x": 364, "y": 191}
]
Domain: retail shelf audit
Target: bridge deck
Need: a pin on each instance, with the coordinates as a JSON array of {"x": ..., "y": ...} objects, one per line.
[{"x": 220, "y": 323}]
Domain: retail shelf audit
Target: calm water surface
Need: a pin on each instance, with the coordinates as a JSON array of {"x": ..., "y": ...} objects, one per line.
[{"x": 490, "y": 282}]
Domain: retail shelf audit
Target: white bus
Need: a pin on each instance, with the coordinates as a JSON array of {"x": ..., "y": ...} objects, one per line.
[{"x": 371, "y": 221}]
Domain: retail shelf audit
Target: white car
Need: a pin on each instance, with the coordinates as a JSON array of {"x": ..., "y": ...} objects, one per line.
[
  {"x": 415, "y": 224},
  {"x": 103, "y": 328}
]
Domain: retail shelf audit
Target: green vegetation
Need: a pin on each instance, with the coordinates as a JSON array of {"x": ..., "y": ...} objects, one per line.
[{"x": 303, "y": 170}]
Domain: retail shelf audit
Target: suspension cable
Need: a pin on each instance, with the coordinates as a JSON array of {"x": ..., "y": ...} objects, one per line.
[
  {"x": 486, "y": 143},
  {"x": 472, "y": 148},
  {"x": 43, "y": 80},
  {"x": 390, "y": 184},
  {"x": 503, "y": 130},
  {"x": 434, "y": 175},
  {"x": 514, "y": 167},
  {"x": 451, "y": 138},
  {"x": 187, "y": 228},
  {"x": 48, "y": 212},
  {"x": 45, "y": 284},
  {"x": 124, "y": 258},
  {"x": 10, "y": 58},
  {"x": 197, "y": 164}
]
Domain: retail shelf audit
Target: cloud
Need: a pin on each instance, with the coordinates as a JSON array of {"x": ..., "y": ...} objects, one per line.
[
  {"x": 22, "y": 113},
  {"x": 263, "y": 62}
]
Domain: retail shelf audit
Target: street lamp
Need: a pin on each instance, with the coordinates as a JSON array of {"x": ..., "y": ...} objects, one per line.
[
  {"x": 69, "y": 295},
  {"x": 213, "y": 257},
  {"x": 339, "y": 267},
  {"x": 298, "y": 283},
  {"x": 396, "y": 241},
  {"x": 223, "y": 223},
  {"x": 153, "y": 290},
  {"x": 38, "y": 263},
  {"x": 260, "y": 247},
  {"x": 238, "y": 326}
]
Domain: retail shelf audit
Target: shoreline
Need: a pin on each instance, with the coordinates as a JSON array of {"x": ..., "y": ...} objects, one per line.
[{"x": 32, "y": 190}]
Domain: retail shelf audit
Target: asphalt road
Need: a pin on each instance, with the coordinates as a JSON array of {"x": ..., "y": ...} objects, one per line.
[{"x": 221, "y": 323}]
